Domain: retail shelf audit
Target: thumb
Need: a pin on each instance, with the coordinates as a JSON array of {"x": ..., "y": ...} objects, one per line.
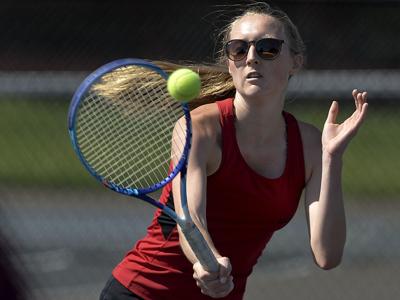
[
  {"x": 225, "y": 269},
  {"x": 333, "y": 112}
]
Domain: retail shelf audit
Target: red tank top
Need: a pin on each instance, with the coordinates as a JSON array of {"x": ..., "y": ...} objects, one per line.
[{"x": 243, "y": 211}]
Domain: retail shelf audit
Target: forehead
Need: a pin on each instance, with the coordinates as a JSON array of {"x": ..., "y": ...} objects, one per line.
[{"x": 255, "y": 26}]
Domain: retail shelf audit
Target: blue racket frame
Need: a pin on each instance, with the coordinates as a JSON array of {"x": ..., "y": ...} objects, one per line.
[
  {"x": 191, "y": 232},
  {"x": 181, "y": 166}
]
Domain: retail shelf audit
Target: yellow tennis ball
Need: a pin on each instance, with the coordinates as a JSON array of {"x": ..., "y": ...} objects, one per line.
[{"x": 184, "y": 84}]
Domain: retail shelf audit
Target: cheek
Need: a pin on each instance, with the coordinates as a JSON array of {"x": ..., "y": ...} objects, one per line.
[
  {"x": 280, "y": 70},
  {"x": 232, "y": 68},
  {"x": 286, "y": 63},
  {"x": 281, "y": 73},
  {"x": 236, "y": 73}
]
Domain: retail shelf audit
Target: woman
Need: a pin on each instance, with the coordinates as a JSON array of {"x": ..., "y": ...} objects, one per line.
[{"x": 248, "y": 153}]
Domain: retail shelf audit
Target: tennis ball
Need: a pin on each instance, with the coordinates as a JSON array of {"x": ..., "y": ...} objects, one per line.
[{"x": 184, "y": 84}]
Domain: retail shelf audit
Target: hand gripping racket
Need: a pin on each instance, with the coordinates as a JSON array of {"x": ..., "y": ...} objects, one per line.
[{"x": 133, "y": 137}]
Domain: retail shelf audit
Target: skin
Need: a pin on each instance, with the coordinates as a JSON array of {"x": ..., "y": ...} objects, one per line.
[{"x": 260, "y": 132}]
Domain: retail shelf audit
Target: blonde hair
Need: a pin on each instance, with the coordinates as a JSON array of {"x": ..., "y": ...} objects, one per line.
[{"x": 216, "y": 80}]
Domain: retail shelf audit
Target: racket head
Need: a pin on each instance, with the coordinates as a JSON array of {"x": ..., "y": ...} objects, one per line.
[{"x": 171, "y": 112}]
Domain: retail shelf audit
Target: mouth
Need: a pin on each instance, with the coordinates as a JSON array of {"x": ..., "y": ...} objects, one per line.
[{"x": 254, "y": 75}]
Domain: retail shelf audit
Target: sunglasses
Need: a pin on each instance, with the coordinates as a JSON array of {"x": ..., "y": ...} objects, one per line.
[{"x": 267, "y": 48}]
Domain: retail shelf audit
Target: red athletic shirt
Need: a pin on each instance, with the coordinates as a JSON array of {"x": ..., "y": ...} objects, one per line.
[{"x": 243, "y": 211}]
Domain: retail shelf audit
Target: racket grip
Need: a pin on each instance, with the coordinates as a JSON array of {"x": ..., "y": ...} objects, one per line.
[{"x": 200, "y": 247}]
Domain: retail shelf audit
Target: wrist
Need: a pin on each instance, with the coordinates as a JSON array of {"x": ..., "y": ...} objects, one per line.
[{"x": 328, "y": 157}]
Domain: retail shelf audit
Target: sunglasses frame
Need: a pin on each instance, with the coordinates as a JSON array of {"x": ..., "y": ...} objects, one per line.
[{"x": 249, "y": 43}]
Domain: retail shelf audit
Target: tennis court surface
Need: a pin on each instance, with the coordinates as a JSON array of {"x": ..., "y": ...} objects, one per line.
[{"x": 69, "y": 241}]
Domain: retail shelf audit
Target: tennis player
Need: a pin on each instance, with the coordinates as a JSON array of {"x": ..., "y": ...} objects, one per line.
[{"x": 248, "y": 167}]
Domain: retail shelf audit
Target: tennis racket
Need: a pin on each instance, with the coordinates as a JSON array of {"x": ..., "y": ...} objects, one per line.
[{"x": 134, "y": 138}]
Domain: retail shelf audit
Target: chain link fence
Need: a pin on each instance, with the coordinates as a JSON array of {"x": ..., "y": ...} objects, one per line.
[{"x": 67, "y": 233}]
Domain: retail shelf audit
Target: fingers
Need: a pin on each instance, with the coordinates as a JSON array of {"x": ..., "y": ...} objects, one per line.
[
  {"x": 215, "y": 285},
  {"x": 225, "y": 269},
  {"x": 333, "y": 112},
  {"x": 335, "y": 137},
  {"x": 359, "y": 99},
  {"x": 362, "y": 114},
  {"x": 202, "y": 276},
  {"x": 361, "y": 104},
  {"x": 215, "y": 289},
  {"x": 355, "y": 93}
]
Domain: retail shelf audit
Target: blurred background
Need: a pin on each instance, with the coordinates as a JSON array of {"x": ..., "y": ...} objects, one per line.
[{"x": 62, "y": 233}]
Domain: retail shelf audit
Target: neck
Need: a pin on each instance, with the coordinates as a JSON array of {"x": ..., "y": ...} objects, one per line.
[
  {"x": 259, "y": 118},
  {"x": 259, "y": 111}
]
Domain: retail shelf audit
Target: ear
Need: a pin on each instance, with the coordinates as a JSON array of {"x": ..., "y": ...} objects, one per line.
[{"x": 298, "y": 61}]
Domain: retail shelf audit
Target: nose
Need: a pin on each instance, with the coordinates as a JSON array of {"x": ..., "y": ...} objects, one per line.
[{"x": 252, "y": 55}]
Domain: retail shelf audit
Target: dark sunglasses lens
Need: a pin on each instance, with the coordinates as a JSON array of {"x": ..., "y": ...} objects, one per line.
[
  {"x": 236, "y": 49},
  {"x": 268, "y": 48}
]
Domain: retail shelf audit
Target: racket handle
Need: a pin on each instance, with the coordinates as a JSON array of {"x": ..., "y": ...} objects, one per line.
[{"x": 200, "y": 247}]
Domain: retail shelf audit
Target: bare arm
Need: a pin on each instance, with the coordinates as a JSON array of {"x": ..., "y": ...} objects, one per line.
[
  {"x": 196, "y": 190},
  {"x": 213, "y": 284},
  {"x": 325, "y": 211},
  {"x": 323, "y": 197}
]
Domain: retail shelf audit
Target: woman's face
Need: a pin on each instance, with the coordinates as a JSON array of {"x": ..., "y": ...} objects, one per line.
[{"x": 252, "y": 75}]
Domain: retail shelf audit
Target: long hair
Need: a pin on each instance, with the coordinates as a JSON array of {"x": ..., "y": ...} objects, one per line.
[{"x": 216, "y": 80}]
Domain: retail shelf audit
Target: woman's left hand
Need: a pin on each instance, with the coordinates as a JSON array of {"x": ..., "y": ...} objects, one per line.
[{"x": 336, "y": 137}]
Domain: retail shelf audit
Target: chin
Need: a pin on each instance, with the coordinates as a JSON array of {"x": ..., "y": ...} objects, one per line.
[{"x": 254, "y": 92}]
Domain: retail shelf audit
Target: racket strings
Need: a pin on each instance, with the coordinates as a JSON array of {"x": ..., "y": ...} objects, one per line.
[
  {"x": 117, "y": 153},
  {"x": 126, "y": 133}
]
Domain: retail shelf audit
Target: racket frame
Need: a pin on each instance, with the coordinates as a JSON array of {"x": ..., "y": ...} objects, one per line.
[
  {"x": 140, "y": 193},
  {"x": 189, "y": 229}
]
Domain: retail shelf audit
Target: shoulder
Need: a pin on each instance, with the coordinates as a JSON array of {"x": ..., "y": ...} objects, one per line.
[
  {"x": 311, "y": 139},
  {"x": 205, "y": 119},
  {"x": 206, "y": 141}
]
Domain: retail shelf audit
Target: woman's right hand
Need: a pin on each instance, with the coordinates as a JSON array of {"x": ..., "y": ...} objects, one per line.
[{"x": 215, "y": 285}]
